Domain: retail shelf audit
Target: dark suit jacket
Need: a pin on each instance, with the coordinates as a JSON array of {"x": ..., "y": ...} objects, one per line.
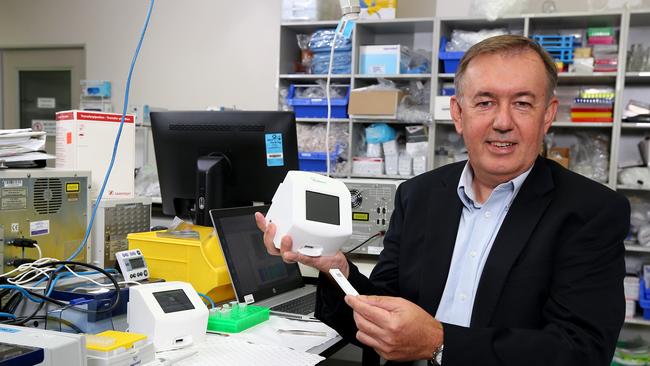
[{"x": 551, "y": 291}]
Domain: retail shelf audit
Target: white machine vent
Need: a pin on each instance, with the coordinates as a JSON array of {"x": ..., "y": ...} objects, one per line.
[{"x": 48, "y": 195}]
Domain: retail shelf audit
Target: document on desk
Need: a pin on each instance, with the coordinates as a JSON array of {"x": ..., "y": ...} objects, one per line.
[
  {"x": 227, "y": 351},
  {"x": 298, "y": 335}
]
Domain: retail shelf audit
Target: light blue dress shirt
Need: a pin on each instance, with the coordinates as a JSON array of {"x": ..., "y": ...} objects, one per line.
[{"x": 479, "y": 225}]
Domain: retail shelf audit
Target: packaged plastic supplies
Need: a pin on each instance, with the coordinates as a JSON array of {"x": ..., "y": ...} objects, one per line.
[{"x": 378, "y": 133}]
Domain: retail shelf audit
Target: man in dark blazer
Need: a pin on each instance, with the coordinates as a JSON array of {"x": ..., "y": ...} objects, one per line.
[{"x": 546, "y": 283}]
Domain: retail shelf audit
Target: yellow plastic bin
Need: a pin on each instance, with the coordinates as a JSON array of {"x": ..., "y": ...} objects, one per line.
[{"x": 198, "y": 262}]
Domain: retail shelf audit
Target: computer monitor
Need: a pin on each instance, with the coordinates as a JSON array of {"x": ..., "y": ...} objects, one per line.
[{"x": 217, "y": 159}]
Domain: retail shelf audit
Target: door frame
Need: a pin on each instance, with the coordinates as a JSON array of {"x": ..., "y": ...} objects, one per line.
[{"x": 10, "y": 110}]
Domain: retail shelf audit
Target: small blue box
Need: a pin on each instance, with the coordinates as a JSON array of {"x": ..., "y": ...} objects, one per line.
[
  {"x": 317, "y": 107},
  {"x": 380, "y": 60},
  {"x": 450, "y": 60},
  {"x": 315, "y": 161}
]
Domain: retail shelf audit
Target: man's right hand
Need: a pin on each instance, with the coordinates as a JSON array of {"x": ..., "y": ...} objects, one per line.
[{"x": 323, "y": 264}]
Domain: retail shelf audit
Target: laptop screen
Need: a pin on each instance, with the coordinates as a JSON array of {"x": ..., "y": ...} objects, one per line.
[{"x": 255, "y": 274}]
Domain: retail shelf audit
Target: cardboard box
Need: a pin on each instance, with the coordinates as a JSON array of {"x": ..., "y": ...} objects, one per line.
[
  {"x": 373, "y": 103},
  {"x": 560, "y": 155},
  {"x": 84, "y": 141},
  {"x": 380, "y": 60}
]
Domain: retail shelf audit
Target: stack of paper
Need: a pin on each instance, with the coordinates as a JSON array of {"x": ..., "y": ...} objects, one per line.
[{"x": 20, "y": 145}]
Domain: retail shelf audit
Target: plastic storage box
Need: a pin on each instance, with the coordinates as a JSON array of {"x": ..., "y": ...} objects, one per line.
[
  {"x": 198, "y": 262},
  {"x": 315, "y": 161},
  {"x": 234, "y": 318},
  {"x": 317, "y": 107},
  {"x": 450, "y": 60},
  {"x": 644, "y": 299}
]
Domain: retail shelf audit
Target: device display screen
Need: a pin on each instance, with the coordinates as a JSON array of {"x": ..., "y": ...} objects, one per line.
[
  {"x": 173, "y": 300},
  {"x": 322, "y": 208},
  {"x": 134, "y": 263}
]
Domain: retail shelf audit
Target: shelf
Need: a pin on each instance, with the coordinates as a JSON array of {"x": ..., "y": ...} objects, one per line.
[
  {"x": 632, "y": 188},
  {"x": 319, "y": 120},
  {"x": 636, "y": 248},
  {"x": 637, "y": 78},
  {"x": 582, "y": 124},
  {"x": 569, "y": 78},
  {"x": 637, "y": 320},
  {"x": 381, "y": 176},
  {"x": 635, "y": 126},
  {"x": 386, "y": 120},
  {"x": 398, "y": 25},
  {"x": 445, "y": 122},
  {"x": 314, "y": 76},
  {"x": 309, "y": 24},
  {"x": 448, "y": 75},
  {"x": 399, "y": 76}
]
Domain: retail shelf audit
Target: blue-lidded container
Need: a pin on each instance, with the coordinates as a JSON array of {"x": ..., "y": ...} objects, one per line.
[
  {"x": 315, "y": 161},
  {"x": 317, "y": 107},
  {"x": 644, "y": 299},
  {"x": 450, "y": 60}
]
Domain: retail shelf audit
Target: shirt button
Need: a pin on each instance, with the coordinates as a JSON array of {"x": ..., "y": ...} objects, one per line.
[
  {"x": 472, "y": 253},
  {"x": 488, "y": 214},
  {"x": 463, "y": 297}
]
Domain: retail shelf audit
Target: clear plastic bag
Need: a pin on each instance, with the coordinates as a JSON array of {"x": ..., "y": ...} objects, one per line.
[
  {"x": 462, "y": 40},
  {"x": 494, "y": 9},
  {"x": 590, "y": 156},
  {"x": 321, "y": 41},
  {"x": 146, "y": 182},
  {"x": 311, "y": 138}
]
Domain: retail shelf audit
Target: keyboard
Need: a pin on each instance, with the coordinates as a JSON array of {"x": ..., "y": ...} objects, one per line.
[{"x": 304, "y": 305}]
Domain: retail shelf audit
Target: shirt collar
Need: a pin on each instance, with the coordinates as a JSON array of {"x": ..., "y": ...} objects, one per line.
[{"x": 466, "y": 191}]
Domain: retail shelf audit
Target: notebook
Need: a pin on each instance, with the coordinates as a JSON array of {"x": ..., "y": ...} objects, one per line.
[{"x": 258, "y": 277}]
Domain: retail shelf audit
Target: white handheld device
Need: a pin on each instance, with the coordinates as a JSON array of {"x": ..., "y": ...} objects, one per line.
[
  {"x": 314, "y": 210},
  {"x": 132, "y": 265},
  {"x": 170, "y": 313},
  {"x": 343, "y": 282}
]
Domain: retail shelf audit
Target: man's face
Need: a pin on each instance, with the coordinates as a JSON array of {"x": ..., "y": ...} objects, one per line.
[{"x": 503, "y": 113}]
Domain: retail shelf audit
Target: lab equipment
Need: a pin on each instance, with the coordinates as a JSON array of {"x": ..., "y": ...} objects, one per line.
[
  {"x": 236, "y": 317},
  {"x": 197, "y": 261},
  {"x": 237, "y": 157},
  {"x": 132, "y": 265},
  {"x": 171, "y": 314},
  {"x": 115, "y": 219},
  {"x": 314, "y": 210},
  {"x": 372, "y": 205},
  {"x": 47, "y": 207},
  {"x": 82, "y": 143},
  {"x": 112, "y": 348},
  {"x": 343, "y": 282},
  {"x": 59, "y": 348}
]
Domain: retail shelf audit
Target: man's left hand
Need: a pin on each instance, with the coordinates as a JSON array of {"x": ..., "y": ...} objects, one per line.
[{"x": 396, "y": 328}]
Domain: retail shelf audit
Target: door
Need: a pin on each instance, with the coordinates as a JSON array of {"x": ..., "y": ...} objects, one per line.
[{"x": 37, "y": 83}]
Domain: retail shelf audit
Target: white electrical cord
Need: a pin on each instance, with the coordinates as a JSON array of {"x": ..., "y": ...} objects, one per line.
[{"x": 329, "y": 105}]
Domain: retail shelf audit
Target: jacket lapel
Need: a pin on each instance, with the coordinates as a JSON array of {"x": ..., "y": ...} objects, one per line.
[
  {"x": 519, "y": 223},
  {"x": 443, "y": 217}
]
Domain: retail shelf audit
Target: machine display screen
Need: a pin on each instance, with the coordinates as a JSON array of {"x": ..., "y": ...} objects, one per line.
[
  {"x": 322, "y": 208},
  {"x": 173, "y": 300},
  {"x": 135, "y": 263}
]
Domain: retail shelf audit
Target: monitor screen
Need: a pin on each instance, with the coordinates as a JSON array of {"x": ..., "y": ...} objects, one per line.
[
  {"x": 215, "y": 159},
  {"x": 252, "y": 269},
  {"x": 134, "y": 263},
  {"x": 172, "y": 301},
  {"x": 322, "y": 207}
]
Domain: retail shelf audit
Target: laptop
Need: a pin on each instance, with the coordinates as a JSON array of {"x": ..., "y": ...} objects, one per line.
[{"x": 258, "y": 277}]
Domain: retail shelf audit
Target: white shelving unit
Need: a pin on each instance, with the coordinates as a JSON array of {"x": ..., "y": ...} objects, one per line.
[{"x": 415, "y": 33}]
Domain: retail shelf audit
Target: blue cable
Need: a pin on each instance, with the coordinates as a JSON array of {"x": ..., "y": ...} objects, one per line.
[
  {"x": 207, "y": 298},
  {"x": 117, "y": 138},
  {"x": 22, "y": 291},
  {"x": 7, "y": 315}
]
